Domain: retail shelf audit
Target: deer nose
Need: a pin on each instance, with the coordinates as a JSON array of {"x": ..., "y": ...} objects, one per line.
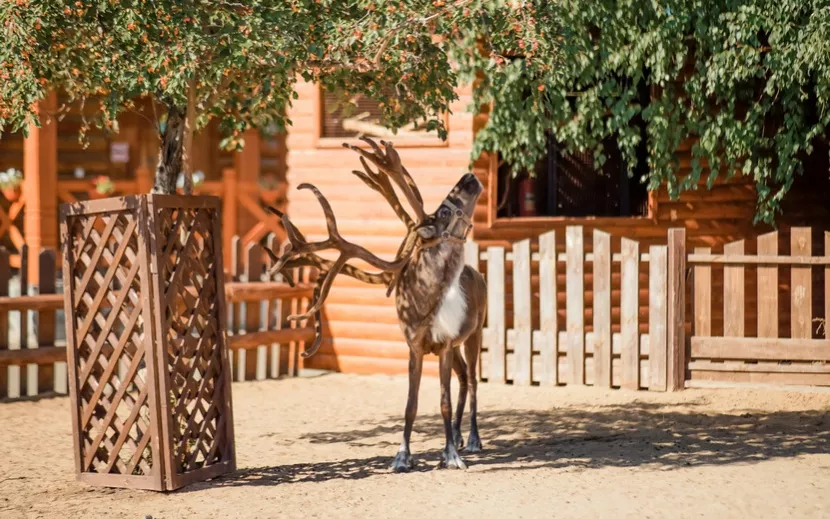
[{"x": 470, "y": 180}]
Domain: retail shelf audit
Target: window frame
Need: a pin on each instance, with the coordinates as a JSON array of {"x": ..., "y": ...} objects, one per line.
[
  {"x": 501, "y": 222},
  {"x": 320, "y": 142}
]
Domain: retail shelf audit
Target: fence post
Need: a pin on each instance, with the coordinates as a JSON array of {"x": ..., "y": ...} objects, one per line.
[
  {"x": 676, "y": 361},
  {"x": 229, "y": 210}
]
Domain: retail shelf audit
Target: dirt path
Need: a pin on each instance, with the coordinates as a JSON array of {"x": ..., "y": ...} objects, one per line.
[{"x": 320, "y": 448}]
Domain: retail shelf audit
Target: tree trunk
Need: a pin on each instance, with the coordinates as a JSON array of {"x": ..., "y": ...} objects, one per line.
[
  {"x": 189, "y": 130},
  {"x": 170, "y": 154}
]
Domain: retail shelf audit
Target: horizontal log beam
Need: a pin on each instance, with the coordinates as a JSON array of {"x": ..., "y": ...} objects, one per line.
[
  {"x": 252, "y": 340},
  {"x": 42, "y": 355},
  {"x": 754, "y": 348},
  {"x": 238, "y": 292},
  {"x": 758, "y": 260},
  {"x": 235, "y": 292}
]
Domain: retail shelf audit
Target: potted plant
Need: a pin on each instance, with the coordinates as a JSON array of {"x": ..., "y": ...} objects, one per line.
[
  {"x": 104, "y": 187},
  {"x": 10, "y": 182}
]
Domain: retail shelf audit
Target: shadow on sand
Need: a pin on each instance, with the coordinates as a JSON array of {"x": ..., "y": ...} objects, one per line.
[{"x": 638, "y": 434}]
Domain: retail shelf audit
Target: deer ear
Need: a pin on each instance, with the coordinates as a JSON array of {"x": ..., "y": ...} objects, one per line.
[{"x": 427, "y": 232}]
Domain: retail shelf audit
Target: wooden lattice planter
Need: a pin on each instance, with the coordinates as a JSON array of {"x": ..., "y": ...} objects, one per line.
[{"x": 149, "y": 378}]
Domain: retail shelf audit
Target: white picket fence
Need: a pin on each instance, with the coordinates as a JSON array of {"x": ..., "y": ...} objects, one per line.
[{"x": 617, "y": 349}]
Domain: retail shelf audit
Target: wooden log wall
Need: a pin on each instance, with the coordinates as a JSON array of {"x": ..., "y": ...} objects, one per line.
[{"x": 361, "y": 322}]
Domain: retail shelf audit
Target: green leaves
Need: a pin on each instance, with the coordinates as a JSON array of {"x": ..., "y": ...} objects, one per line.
[{"x": 747, "y": 81}]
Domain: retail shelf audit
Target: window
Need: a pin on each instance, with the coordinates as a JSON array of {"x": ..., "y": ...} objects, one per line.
[
  {"x": 572, "y": 185},
  {"x": 349, "y": 119}
]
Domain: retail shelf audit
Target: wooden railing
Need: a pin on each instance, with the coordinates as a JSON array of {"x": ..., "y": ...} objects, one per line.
[
  {"x": 32, "y": 345},
  {"x": 753, "y": 324}
]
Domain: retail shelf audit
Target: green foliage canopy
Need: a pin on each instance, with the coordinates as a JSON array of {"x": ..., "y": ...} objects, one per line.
[{"x": 748, "y": 80}]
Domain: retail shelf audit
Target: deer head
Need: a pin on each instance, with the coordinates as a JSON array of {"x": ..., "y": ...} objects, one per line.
[{"x": 451, "y": 222}]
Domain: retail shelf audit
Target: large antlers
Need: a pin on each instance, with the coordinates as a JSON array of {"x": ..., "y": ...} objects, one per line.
[
  {"x": 389, "y": 163},
  {"x": 300, "y": 252}
]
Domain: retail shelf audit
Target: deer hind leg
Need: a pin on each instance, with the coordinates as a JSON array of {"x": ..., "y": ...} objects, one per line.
[
  {"x": 403, "y": 459},
  {"x": 451, "y": 459},
  {"x": 460, "y": 368},
  {"x": 472, "y": 350}
]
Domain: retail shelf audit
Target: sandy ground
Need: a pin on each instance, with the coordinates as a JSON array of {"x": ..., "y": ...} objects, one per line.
[{"x": 320, "y": 448}]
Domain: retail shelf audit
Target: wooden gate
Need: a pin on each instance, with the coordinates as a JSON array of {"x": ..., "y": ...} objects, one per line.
[
  {"x": 760, "y": 317},
  {"x": 578, "y": 317}
]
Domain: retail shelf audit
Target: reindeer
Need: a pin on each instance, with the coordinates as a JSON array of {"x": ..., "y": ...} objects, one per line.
[{"x": 440, "y": 301}]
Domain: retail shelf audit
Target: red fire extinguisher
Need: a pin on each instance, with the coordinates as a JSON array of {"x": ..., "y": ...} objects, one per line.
[{"x": 527, "y": 196}]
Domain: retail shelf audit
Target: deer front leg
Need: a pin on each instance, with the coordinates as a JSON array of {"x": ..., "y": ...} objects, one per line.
[
  {"x": 451, "y": 459},
  {"x": 403, "y": 460},
  {"x": 460, "y": 368}
]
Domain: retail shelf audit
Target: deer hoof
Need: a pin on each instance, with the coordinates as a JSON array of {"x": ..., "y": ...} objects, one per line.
[
  {"x": 452, "y": 460},
  {"x": 473, "y": 444},
  {"x": 403, "y": 462}
]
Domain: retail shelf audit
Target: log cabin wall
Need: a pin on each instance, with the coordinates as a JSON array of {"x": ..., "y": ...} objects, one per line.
[{"x": 361, "y": 326}]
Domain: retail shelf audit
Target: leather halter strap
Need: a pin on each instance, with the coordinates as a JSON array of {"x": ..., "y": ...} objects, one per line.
[{"x": 458, "y": 216}]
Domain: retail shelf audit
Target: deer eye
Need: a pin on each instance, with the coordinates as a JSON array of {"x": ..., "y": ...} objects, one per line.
[{"x": 444, "y": 212}]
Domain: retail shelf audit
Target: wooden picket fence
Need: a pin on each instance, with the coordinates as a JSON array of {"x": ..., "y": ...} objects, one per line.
[
  {"x": 262, "y": 343},
  {"x": 761, "y": 317},
  {"x": 579, "y": 317}
]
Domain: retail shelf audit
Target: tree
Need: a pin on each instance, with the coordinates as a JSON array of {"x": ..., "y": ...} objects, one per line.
[
  {"x": 204, "y": 59},
  {"x": 748, "y": 80}
]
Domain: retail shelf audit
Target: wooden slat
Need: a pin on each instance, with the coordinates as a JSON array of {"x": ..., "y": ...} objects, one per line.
[
  {"x": 37, "y": 356},
  {"x": 733, "y": 293},
  {"x": 763, "y": 367},
  {"x": 5, "y": 275},
  {"x": 240, "y": 292},
  {"x": 575, "y": 305},
  {"x": 657, "y": 330},
  {"x": 702, "y": 297},
  {"x": 471, "y": 255},
  {"x": 801, "y": 292},
  {"x": 249, "y": 341},
  {"x": 496, "y": 335},
  {"x": 256, "y": 366},
  {"x": 629, "y": 309},
  {"x": 676, "y": 312},
  {"x": 32, "y": 382},
  {"x": 46, "y": 320},
  {"x": 745, "y": 259},
  {"x": 521, "y": 313},
  {"x": 236, "y": 325},
  {"x": 602, "y": 309},
  {"x": 548, "y": 357},
  {"x": 767, "y": 287},
  {"x": 749, "y": 348}
]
